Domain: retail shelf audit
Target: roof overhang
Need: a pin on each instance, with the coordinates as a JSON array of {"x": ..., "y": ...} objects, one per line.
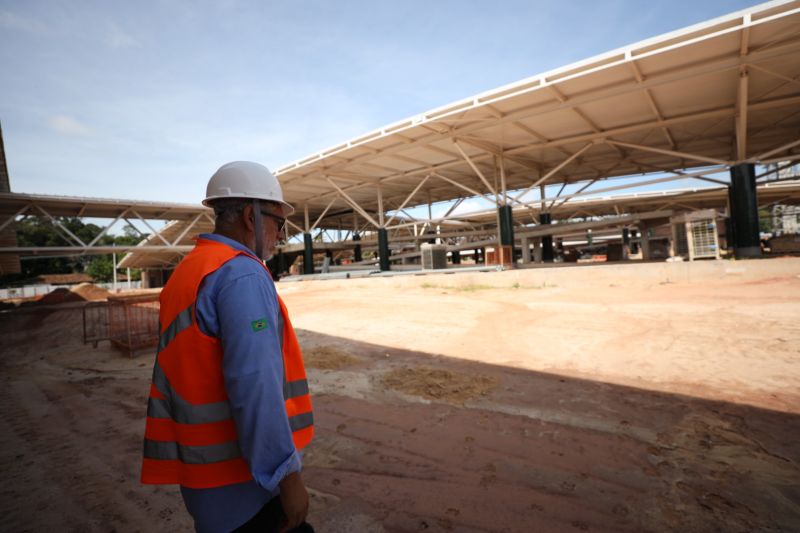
[{"x": 711, "y": 95}]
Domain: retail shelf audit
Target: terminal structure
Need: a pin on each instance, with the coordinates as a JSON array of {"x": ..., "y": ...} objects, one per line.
[{"x": 549, "y": 157}]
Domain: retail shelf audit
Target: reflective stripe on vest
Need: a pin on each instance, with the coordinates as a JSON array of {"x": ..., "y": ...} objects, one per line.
[
  {"x": 193, "y": 455},
  {"x": 293, "y": 389},
  {"x": 301, "y": 421},
  {"x": 180, "y": 323},
  {"x": 178, "y": 409}
]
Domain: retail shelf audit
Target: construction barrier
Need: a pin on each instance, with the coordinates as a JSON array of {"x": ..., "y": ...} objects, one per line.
[{"x": 128, "y": 322}]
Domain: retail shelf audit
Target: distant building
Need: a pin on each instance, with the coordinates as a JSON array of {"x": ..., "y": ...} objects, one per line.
[{"x": 786, "y": 218}]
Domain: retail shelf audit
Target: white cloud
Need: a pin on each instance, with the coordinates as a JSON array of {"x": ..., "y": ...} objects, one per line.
[
  {"x": 68, "y": 125},
  {"x": 116, "y": 37},
  {"x": 15, "y": 22}
]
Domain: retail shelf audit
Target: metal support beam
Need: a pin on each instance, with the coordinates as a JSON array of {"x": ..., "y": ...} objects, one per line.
[
  {"x": 108, "y": 227},
  {"x": 651, "y": 101},
  {"x": 453, "y": 207},
  {"x": 293, "y": 225},
  {"x": 353, "y": 203},
  {"x": 554, "y": 170},
  {"x": 13, "y": 217},
  {"x": 408, "y": 199},
  {"x": 322, "y": 215},
  {"x": 114, "y": 271},
  {"x": 156, "y": 233},
  {"x": 565, "y": 200},
  {"x": 464, "y": 187},
  {"x": 60, "y": 225},
  {"x": 679, "y": 155},
  {"x": 474, "y": 167},
  {"x": 741, "y": 115},
  {"x": 630, "y": 186},
  {"x": 761, "y": 157},
  {"x": 775, "y": 170},
  {"x": 380, "y": 206},
  {"x": 189, "y": 227},
  {"x": 503, "y": 190}
]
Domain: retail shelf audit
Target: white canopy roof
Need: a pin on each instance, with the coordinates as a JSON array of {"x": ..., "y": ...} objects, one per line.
[{"x": 715, "y": 94}]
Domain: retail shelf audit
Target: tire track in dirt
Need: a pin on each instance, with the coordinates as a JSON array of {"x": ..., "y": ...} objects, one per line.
[{"x": 75, "y": 465}]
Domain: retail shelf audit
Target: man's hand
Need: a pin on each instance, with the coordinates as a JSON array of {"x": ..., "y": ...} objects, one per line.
[{"x": 294, "y": 500}]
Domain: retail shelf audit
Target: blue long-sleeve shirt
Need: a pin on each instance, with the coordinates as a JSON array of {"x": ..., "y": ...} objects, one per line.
[{"x": 232, "y": 303}]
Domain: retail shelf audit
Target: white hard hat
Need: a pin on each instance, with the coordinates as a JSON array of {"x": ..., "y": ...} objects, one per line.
[{"x": 245, "y": 179}]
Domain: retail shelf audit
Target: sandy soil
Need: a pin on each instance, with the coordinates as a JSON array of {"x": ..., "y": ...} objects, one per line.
[{"x": 440, "y": 405}]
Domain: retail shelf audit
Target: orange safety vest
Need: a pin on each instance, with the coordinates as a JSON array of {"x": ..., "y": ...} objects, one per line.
[{"x": 190, "y": 437}]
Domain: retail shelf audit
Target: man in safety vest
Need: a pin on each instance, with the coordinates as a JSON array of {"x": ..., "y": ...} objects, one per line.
[{"x": 229, "y": 407}]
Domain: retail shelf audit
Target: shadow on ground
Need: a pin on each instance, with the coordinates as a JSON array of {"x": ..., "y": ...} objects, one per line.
[{"x": 537, "y": 451}]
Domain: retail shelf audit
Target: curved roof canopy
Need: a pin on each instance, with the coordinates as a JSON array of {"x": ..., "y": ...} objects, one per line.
[{"x": 712, "y": 95}]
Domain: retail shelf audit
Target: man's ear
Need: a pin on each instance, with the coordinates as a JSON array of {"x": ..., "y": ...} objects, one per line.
[{"x": 247, "y": 218}]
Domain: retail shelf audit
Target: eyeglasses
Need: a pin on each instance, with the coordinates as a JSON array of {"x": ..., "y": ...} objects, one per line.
[{"x": 281, "y": 221}]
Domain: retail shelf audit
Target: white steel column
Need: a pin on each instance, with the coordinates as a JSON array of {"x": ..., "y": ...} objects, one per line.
[
  {"x": 741, "y": 115},
  {"x": 114, "y": 271},
  {"x": 644, "y": 240},
  {"x": 503, "y": 190},
  {"x": 380, "y": 206}
]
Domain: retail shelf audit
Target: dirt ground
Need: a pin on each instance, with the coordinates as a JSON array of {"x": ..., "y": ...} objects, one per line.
[{"x": 562, "y": 400}]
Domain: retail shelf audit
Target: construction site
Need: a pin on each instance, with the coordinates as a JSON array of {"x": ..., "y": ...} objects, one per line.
[{"x": 609, "y": 342}]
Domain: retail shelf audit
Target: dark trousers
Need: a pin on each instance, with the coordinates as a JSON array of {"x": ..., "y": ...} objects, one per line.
[{"x": 270, "y": 519}]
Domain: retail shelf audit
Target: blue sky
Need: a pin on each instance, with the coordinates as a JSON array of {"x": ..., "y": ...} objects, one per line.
[{"x": 144, "y": 100}]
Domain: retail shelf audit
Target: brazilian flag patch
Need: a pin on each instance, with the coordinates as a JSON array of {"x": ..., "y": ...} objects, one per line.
[{"x": 259, "y": 324}]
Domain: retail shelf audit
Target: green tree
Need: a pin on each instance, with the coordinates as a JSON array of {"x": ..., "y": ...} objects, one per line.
[
  {"x": 42, "y": 232},
  {"x": 101, "y": 268},
  {"x": 765, "y": 224}
]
